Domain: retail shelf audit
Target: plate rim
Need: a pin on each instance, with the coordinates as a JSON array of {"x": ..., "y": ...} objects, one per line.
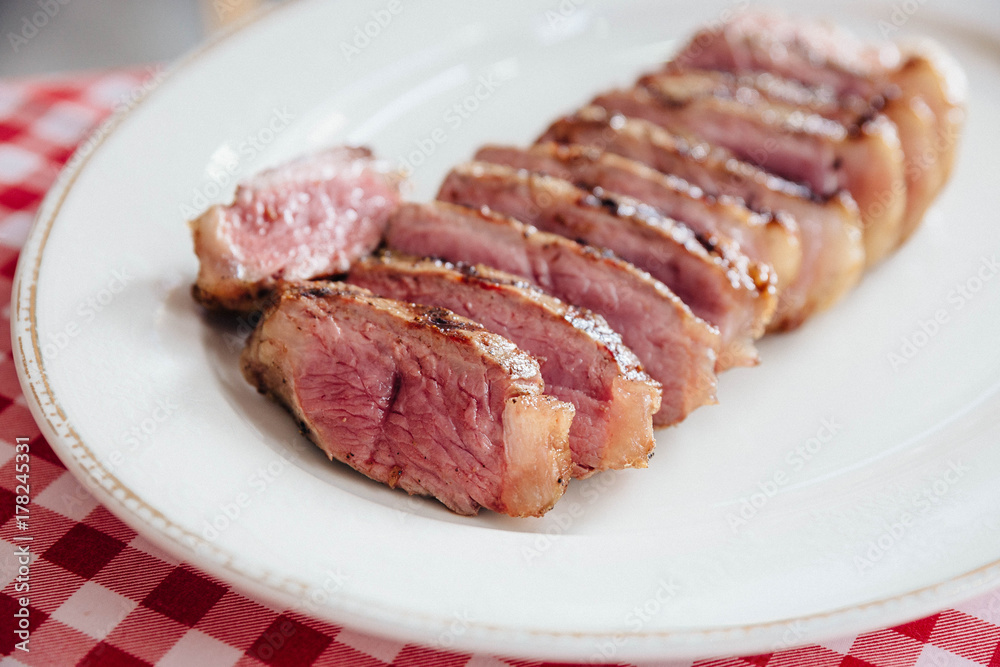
[{"x": 148, "y": 522}]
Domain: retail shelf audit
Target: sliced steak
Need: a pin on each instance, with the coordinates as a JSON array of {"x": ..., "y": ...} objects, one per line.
[
  {"x": 783, "y": 139},
  {"x": 830, "y": 234},
  {"x": 914, "y": 126},
  {"x": 414, "y": 397},
  {"x": 926, "y": 100},
  {"x": 875, "y": 176},
  {"x": 308, "y": 218},
  {"x": 926, "y": 167},
  {"x": 583, "y": 361},
  {"x": 676, "y": 348},
  {"x": 817, "y": 53},
  {"x": 770, "y": 239},
  {"x": 920, "y": 88},
  {"x": 709, "y": 274}
]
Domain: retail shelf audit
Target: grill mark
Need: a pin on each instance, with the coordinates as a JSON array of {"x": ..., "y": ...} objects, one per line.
[
  {"x": 442, "y": 319},
  {"x": 707, "y": 241},
  {"x": 394, "y": 474},
  {"x": 663, "y": 99}
]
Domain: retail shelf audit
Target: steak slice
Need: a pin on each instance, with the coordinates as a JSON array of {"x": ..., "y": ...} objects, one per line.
[
  {"x": 817, "y": 53},
  {"x": 583, "y": 360},
  {"x": 306, "y": 219},
  {"x": 830, "y": 235},
  {"x": 676, "y": 348},
  {"x": 925, "y": 166},
  {"x": 787, "y": 141},
  {"x": 770, "y": 239},
  {"x": 414, "y": 397},
  {"x": 926, "y": 101},
  {"x": 920, "y": 88},
  {"x": 709, "y": 274},
  {"x": 923, "y": 175}
]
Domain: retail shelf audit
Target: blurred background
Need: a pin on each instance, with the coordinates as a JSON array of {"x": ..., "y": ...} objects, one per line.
[{"x": 99, "y": 34}]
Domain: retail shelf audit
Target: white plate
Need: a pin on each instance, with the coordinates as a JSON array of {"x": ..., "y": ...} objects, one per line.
[{"x": 869, "y": 492}]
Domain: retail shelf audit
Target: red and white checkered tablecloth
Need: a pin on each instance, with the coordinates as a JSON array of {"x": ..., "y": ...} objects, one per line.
[{"x": 102, "y": 595}]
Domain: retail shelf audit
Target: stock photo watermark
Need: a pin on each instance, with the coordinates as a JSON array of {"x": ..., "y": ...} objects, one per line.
[
  {"x": 899, "y": 15},
  {"x": 929, "y": 496},
  {"x": 129, "y": 441},
  {"x": 565, "y": 10},
  {"x": 311, "y": 602},
  {"x": 364, "y": 35},
  {"x": 127, "y": 102},
  {"x": 224, "y": 173},
  {"x": 229, "y": 512},
  {"x": 637, "y": 618},
  {"x": 86, "y": 312},
  {"x": 228, "y": 9},
  {"x": 565, "y": 515},
  {"x": 22, "y": 543},
  {"x": 32, "y": 24},
  {"x": 456, "y": 115},
  {"x": 795, "y": 461},
  {"x": 960, "y": 296}
]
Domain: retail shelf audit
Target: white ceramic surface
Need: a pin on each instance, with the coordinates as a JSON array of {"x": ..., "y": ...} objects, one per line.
[{"x": 832, "y": 490}]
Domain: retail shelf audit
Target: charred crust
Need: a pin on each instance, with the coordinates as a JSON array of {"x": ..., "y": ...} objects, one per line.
[
  {"x": 442, "y": 319},
  {"x": 331, "y": 277},
  {"x": 858, "y": 126},
  {"x": 394, "y": 474},
  {"x": 322, "y": 290},
  {"x": 318, "y": 291},
  {"x": 470, "y": 272},
  {"x": 303, "y": 427},
  {"x": 206, "y": 299},
  {"x": 708, "y": 241},
  {"x": 250, "y": 299},
  {"x": 599, "y": 199}
]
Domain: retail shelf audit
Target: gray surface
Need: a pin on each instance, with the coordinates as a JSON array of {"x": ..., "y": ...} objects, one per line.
[{"x": 96, "y": 34}]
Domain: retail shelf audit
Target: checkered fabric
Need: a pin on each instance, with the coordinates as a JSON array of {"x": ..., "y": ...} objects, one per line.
[{"x": 102, "y": 595}]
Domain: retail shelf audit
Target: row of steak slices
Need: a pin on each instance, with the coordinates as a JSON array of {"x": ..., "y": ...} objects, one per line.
[{"x": 559, "y": 301}]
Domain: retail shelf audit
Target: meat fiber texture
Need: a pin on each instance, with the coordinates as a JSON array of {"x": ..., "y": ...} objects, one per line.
[
  {"x": 745, "y": 184},
  {"x": 306, "y": 219},
  {"x": 709, "y": 274},
  {"x": 916, "y": 85},
  {"x": 767, "y": 238},
  {"x": 677, "y": 348},
  {"x": 583, "y": 361},
  {"x": 414, "y": 397},
  {"x": 829, "y": 229},
  {"x": 779, "y": 137}
]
